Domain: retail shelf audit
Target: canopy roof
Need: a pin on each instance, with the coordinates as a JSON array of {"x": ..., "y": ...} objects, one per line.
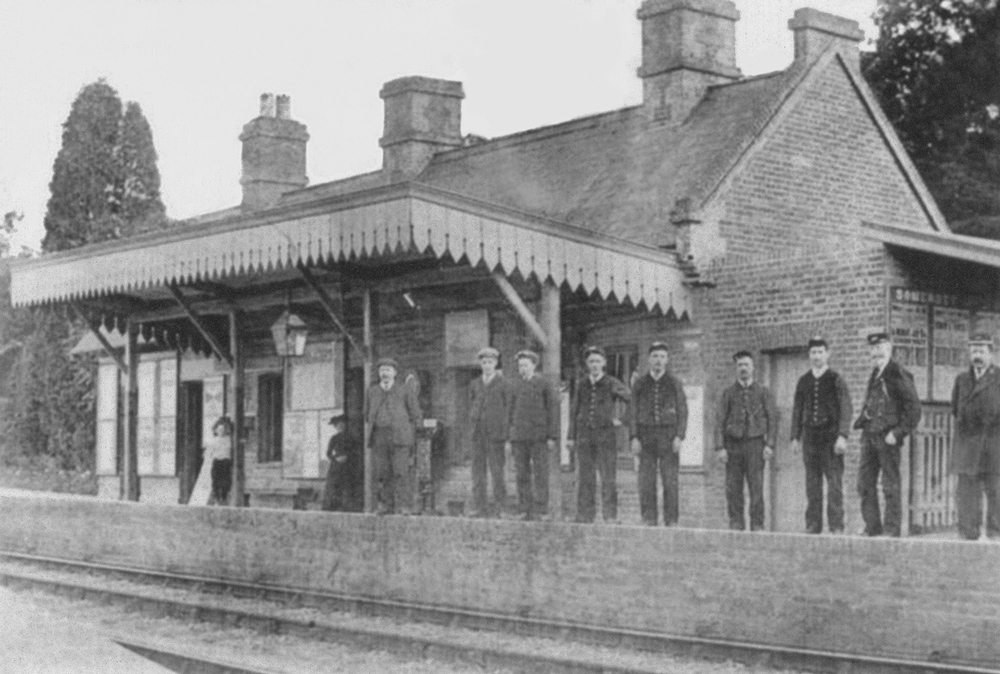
[{"x": 368, "y": 224}]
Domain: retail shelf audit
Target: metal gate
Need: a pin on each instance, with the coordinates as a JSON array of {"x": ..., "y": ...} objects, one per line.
[{"x": 932, "y": 488}]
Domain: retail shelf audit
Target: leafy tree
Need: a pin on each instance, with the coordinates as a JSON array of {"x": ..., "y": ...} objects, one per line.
[{"x": 935, "y": 69}]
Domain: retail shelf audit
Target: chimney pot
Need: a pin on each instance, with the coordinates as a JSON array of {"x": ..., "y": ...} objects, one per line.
[
  {"x": 283, "y": 109},
  {"x": 815, "y": 31},
  {"x": 274, "y": 154},
  {"x": 267, "y": 105}
]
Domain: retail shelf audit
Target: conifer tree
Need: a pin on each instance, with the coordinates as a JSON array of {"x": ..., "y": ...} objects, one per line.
[{"x": 105, "y": 185}]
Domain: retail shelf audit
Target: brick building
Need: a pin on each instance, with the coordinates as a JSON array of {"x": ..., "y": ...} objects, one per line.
[{"x": 721, "y": 213}]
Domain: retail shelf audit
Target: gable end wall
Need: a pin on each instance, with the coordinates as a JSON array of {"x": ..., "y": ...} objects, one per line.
[{"x": 822, "y": 169}]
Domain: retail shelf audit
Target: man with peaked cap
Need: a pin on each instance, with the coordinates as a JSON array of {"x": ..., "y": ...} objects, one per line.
[
  {"x": 489, "y": 419},
  {"x": 891, "y": 411},
  {"x": 975, "y": 454},
  {"x": 746, "y": 427},
  {"x": 534, "y": 432},
  {"x": 821, "y": 423},
  {"x": 392, "y": 413},
  {"x": 658, "y": 422},
  {"x": 343, "y": 488},
  {"x": 592, "y": 421}
]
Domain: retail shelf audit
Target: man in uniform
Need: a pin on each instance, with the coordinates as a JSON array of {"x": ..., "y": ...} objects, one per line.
[
  {"x": 975, "y": 454},
  {"x": 821, "y": 422},
  {"x": 592, "y": 425},
  {"x": 392, "y": 413},
  {"x": 489, "y": 419},
  {"x": 745, "y": 430},
  {"x": 658, "y": 423},
  {"x": 534, "y": 431},
  {"x": 890, "y": 413}
]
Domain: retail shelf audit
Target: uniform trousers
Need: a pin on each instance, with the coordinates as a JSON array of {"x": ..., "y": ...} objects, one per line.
[
  {"x": 658, "y": 456},
  {"x": 876, "y": 456},
  {"x": 392, "y": 468},
  {"x": 596, "y": 451},
  {"x": 489, "y": 454},
  {"x": 531, "y": 460},
  {"x": 970, "y": 504},
  {"x": 745, "y": 463},
  {"x": 821, "y": 461}
]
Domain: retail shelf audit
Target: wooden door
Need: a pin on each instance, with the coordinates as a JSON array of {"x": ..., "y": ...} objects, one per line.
[
  {"x": 787, "y": 477},
  {"x": 189, "y": 440}
]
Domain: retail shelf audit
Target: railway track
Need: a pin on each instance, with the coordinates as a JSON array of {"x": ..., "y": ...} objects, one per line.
[{"x": 288, "y": 611}]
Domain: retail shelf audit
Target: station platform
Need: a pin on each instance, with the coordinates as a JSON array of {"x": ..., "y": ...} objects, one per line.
[{"x": 35, "y": 641}]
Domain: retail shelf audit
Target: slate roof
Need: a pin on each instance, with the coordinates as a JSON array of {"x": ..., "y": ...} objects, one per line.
[{"x": 618, "y": 173}]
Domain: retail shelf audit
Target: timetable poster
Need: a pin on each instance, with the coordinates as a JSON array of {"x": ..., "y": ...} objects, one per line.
[
  {"x": 909, "y": 323},
  {"x": 951, "y": 335}
]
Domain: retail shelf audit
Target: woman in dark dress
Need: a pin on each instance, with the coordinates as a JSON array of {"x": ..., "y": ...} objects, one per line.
[{"x": 343, "y": 478}]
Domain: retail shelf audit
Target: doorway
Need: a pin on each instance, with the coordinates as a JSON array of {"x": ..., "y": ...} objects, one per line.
[
  {"x": 189, "y": 441},
  {"x": 787, "y": 478}
]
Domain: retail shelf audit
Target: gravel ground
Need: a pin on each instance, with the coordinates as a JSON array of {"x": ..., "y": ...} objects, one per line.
[{"x": 294, "y": 654}]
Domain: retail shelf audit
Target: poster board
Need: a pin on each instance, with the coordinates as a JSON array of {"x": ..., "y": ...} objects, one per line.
[
  {"x": 317, "y": 377},
  {"x": 465, "y": 333},
  {"x": 951, "y": 352}
]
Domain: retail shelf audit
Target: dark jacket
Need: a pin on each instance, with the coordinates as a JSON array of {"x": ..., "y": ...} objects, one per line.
[
  {"x": 489, "y": 408},
  {"x": 976, "y": 406},
  {"x": 822, "y": 405},
  {"x": 891, "y": 403},
  {"x": 534, "y": 410},
  {"x": 399, "y": 405},
  {"x": 659, "y": 404},
  {"x": 594, "y": 404},
  {"x": 745, "y": 413}
]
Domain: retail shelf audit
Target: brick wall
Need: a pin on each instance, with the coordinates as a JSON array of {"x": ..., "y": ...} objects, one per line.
[{"x": 879, "y": 597}]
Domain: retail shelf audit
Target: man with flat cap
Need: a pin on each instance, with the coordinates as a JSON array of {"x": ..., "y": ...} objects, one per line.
[
  {"x": 821, "y": 423},
  {"x": 746, "y": 427},
  {"x": 658, "y": 422},
  {"x": 534, "y": 432},
  {"x": 891, "y": 411},
  {"x": 975, "y": 454},
  {"x": 392, "y": 413},
  {"x": 489, "y": 415},
  {"x": 343, "y": 488},
  {"x": 592, "y": 421}
]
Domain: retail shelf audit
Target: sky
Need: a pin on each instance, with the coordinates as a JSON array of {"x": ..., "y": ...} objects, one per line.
[{"x": 197, "y": 69}]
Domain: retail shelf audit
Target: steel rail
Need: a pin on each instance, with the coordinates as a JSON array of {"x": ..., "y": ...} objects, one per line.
[
  {"x": 755, "y": 654},
  {"x": 176, "y": 661}
]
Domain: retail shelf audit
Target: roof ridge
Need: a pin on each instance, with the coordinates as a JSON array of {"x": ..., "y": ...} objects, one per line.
[{"x": 536, "y": 134}]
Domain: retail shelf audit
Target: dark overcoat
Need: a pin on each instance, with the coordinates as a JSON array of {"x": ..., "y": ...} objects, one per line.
[
  {"x": 976, "y": 406},
  {"x": 534, "y": 410},
  {"x": 489, "y": 408}
]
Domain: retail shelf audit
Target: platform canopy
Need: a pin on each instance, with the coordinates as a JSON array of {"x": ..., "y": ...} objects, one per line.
[
  {"x": 382, "y": 222},
  {"x": 944, "y": 244}
]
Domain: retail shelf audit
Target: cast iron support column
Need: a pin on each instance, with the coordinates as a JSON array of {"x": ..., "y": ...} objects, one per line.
[
  {"x": 239, "y": 422},
  {"x": 552, "y": 363},
  {"x": 366, "y": 311},
  {"x": 130, "y": 490}
]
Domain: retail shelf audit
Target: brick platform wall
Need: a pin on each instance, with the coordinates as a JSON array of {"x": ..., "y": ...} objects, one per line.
[{"x": 880, "y": 597}]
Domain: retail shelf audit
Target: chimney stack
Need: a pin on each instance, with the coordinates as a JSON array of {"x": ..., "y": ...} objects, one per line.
[
  {"x": 815, "y": 31},
  {"x": 422, "y": 116},
  {"x": 274, "y": 154},
  {"x": 687, "y": 45}
]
